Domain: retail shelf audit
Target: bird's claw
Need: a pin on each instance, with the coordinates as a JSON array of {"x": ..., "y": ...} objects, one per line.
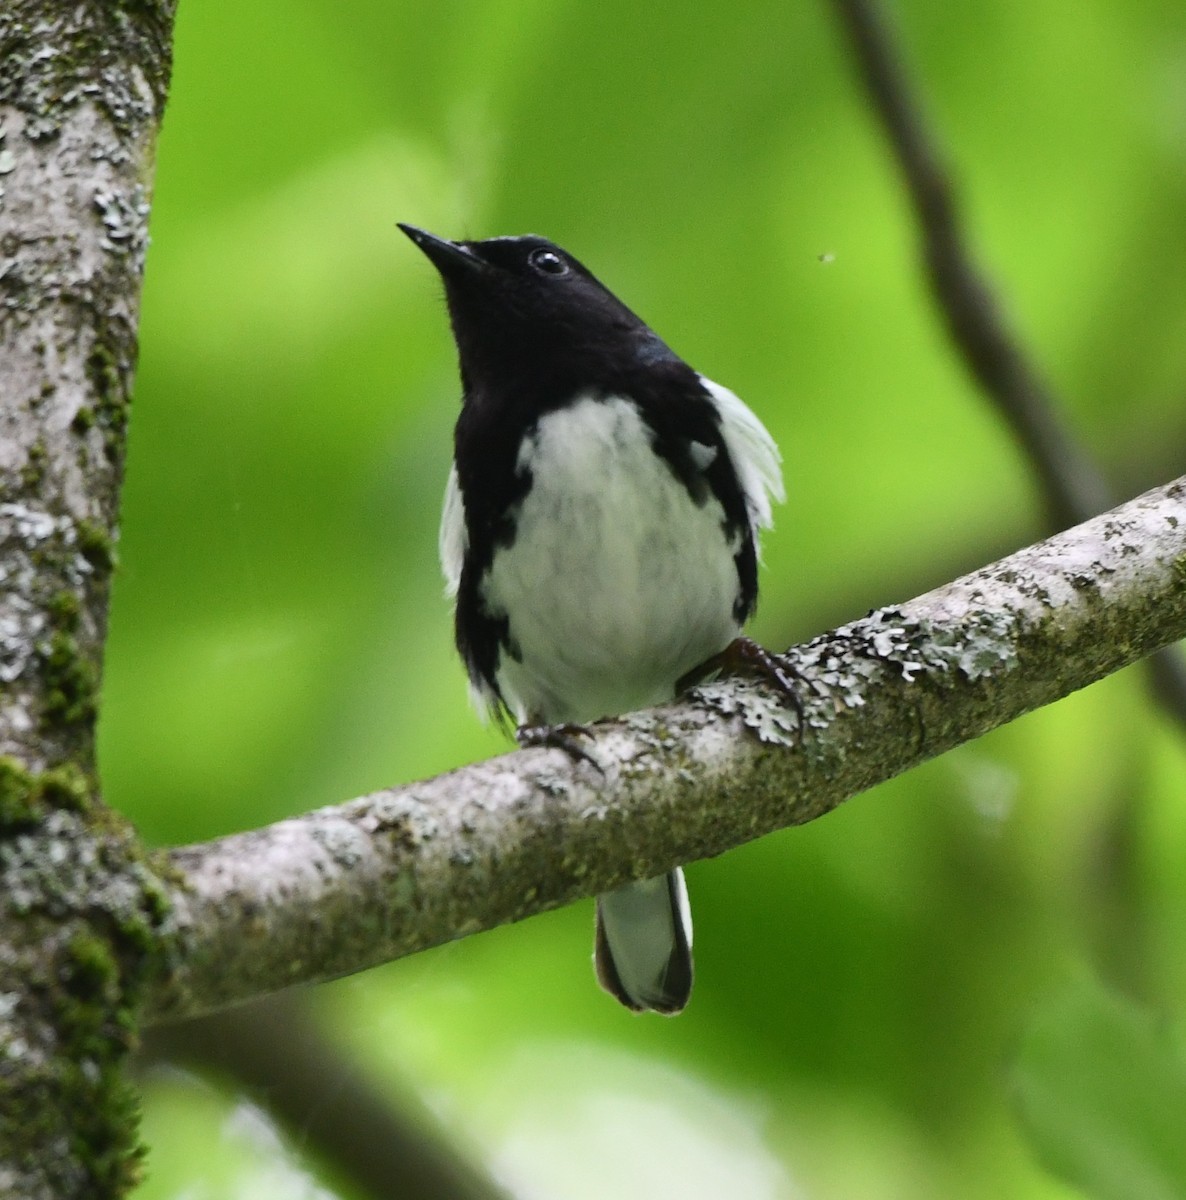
[
  {"x": 744, "y": 656},
  {"x": 558, "y": 737}
]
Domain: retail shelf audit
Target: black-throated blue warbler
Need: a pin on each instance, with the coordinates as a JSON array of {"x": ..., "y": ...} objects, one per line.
[{"x": 600, "y": 531}]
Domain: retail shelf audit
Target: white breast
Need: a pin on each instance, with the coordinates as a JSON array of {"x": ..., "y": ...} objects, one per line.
[{"x": 617, "y": 583}]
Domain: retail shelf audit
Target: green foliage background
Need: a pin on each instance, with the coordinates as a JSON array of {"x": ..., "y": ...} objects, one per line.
[{"x": 867, "y": 985}]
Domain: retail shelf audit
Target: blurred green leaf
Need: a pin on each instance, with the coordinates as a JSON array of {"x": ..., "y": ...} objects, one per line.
[{"x": 1101, "y": 1090}]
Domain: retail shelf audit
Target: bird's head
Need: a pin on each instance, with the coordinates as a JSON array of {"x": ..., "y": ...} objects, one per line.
[{"x": 522, "y": 305}]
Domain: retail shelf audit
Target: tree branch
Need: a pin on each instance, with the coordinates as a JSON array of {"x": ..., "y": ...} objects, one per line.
[
  {"x": 390, "y": 1147},
  {"x": 82, "y": 87},
  {"x": 353, "y": 885},
  {"x": 1074, "y": 487}
]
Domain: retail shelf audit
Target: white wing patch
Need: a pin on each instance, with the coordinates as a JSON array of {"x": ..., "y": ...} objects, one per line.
[
  {"x": 754, "y": 454},
  {"x": 453, "y": 538}
]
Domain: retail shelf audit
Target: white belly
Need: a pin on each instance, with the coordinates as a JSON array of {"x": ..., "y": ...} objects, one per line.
[{"x": 617, "y": 583}]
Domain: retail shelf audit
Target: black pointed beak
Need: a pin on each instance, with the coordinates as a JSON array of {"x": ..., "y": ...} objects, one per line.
[{"x": 449, "y": 258}]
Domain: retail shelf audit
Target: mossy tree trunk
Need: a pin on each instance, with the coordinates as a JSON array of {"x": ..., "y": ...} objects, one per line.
[{"x": 82, "y": 89}]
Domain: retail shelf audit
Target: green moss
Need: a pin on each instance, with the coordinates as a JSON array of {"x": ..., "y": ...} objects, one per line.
[
  {"x": 72, "y": 682},
  {"x": 1178, "y": 570},
  {"x": 95, "y": 545},
  {"x": 67, "y": 786},
  {"x": 102, "y": 370},
  {"x": 33, "y": 472},
  {"x": 96, "y": 1025},
  {"x": 89, "y": 964},
  {"x": 83, "y": 419},
  {"x": 71, "y": 678},
  {"x": 19, "y": 804},
  {"x": 65, "y": 609},
  {"x": 25, "y": 797},
  {"x": 93, "y": 970},
  {"x": 110, "y": 411},
  {"x": 103, "y": 978}
]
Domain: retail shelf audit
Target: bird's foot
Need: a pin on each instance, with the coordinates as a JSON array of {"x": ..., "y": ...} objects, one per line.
[
  {"x": 564, "y": 737},
  {"x": 744, "y": 656}
]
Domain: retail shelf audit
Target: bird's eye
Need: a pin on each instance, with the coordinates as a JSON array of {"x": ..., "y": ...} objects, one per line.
[{"x": 548, "y": 262}]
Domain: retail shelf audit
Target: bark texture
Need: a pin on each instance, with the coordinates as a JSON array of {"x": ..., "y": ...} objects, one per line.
[
  {"x": 82, "y": 86},
  {"x": 353, "y": 885}
]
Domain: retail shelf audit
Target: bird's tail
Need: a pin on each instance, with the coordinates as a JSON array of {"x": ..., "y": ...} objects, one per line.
[{"x": 643, "y": 951}]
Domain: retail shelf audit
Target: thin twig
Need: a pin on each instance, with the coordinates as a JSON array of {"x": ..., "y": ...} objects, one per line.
[
  {"x": 1073, "y": 486},
  {"x": 274, "y": 1050}
]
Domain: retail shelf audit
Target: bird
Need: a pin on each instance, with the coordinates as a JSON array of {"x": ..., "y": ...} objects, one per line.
[{"x": 599, "y": 536}]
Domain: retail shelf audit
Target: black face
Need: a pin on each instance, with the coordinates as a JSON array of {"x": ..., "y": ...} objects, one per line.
[{"x": 523, "y": 306}]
